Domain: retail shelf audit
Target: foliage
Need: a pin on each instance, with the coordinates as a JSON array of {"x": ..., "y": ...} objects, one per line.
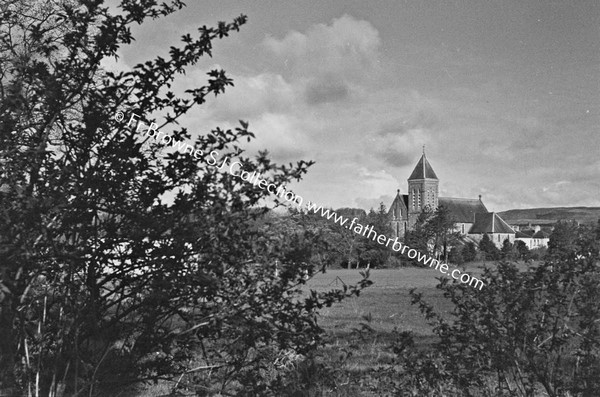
[
  {"x": 419, "y": 236},
  {"x": 488, "y": 248},
  {"x": 523, "y": 252},
  {"x": 507, "y": 251},
  {"x": 375, "y": 254},
  {"x": 539, "y": 253},
  {"x": 525, "y": 332},
  {"x": 469, "y": 252},
  {"x": 104, "y": 282},
  {"x": 434, "y": 232},
  {"x": 337, "y": 245},
  {"x": 343, "y": 247},
  {"x": 456, "y": 255},
  {"x": 461, "y": 254},
  {"x": 328, "y": 248},
  {"x": 442, "y": 228},
  {"x": 564, "y": 239}
]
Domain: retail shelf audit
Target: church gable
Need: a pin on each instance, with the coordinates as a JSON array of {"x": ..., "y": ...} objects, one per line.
[
  {"x": 490, "y": 223},
  {"x": 398, "y": 209}
]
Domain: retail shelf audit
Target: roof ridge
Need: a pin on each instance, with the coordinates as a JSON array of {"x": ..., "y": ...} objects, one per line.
[
  {"x": 503, "y": 221},
  {"x": 459, "y": 198}
]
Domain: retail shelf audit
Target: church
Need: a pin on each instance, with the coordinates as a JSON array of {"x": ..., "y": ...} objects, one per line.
[{"x": 471, "y": 218}]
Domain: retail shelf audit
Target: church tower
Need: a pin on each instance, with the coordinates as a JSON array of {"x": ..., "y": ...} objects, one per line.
[{"x": 422, "y": 189}]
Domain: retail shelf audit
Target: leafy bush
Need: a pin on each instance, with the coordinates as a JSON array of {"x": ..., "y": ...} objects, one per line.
[
  {"x": 488, "y": 249},
  {"x": 456, "y": 255},
  {"x": 524, "y": 333},
  {"x": 103, "y": 282},
  {"x": 538, "y": 253},
  {"x": 469, "y": 252},
  {"x": 523, "y": 251}
]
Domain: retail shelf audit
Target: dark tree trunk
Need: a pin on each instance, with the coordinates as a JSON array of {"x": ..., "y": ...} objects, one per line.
[{"x": 7, "y": 347}]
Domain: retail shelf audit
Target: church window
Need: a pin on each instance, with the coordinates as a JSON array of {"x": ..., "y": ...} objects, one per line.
[{"x": 463, "y": 228}]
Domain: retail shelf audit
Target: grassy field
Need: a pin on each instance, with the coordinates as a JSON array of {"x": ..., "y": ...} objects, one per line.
[
  {"x": 388, "y": 305},
  {"x": 356, "y": 345},
  {"x": 387, "y": 301}
]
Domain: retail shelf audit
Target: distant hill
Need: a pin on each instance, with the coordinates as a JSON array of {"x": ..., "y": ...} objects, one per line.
[{"x": 584, "y": 215}]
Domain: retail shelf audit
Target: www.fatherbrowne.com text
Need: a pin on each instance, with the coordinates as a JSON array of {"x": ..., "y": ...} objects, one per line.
[{"x": 234, "y": 168}]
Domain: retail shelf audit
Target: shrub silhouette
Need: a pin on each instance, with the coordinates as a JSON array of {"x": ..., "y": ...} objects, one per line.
[{"x": 527, "y": 331}]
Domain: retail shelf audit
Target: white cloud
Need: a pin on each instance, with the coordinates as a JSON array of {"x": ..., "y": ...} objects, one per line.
[
  {"x": 302, "y": 105},
  {"x": 250, "y": 97},
  {"x": 283, "y": 135},
  {"x": 347, "y": 48}
]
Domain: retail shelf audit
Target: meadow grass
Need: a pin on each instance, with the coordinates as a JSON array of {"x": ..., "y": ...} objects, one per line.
[
  {"x": 360, "y": 330},
  {"x": 387, "y": 301}
]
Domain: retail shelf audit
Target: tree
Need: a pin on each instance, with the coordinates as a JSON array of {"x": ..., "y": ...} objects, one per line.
[
  {"x": 434, "y": 232},
  {"x": 506, "y": 252},
  {"x": 104, "y": 283},
  {"x": 373, "y": 253},
  {"x": 488, "y": 248},
  {"x": 346, "y": 245},
  {"x": 563, "y": 240},
  {"x": 443, "y": 230},
  {"x": 420, "y": 236},
  {"x": 456, "y": 255},
  {"x": 522, "y": 250},
  {"x": 469, "y": 252},
  {"x": 336, "y": 245}
]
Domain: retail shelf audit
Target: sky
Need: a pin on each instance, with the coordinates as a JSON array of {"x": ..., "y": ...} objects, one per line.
[{"x": 504, "y": 95}]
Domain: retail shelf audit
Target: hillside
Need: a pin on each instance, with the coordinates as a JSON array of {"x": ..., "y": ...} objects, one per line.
[{"x": 581, "y": 214}]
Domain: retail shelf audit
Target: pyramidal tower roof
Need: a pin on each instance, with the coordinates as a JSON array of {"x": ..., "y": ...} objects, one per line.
[{"x": 423, "y": 169}]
